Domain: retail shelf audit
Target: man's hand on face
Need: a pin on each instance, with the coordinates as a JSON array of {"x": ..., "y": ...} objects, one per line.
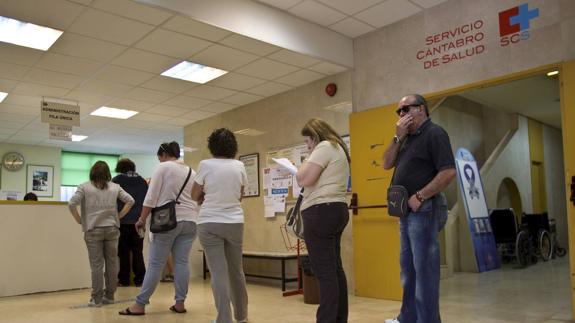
[{"x": 402, "y": 125}]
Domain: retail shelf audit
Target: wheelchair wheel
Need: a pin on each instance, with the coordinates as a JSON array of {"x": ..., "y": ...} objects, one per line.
[
  {"x": 544, "y": 244},
  {"x": 523, "y": 249}
]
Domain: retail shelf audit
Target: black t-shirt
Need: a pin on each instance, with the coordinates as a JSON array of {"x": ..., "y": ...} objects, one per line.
[
  {"x": 137, "y": 187},
  {"x": 423, "y": 155}
]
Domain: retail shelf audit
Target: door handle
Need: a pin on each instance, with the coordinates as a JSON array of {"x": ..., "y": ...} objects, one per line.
[{"x": 353, "y": 205}]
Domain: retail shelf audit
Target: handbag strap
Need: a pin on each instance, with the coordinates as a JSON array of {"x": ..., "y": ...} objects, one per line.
[
  {"x": 183, "y": 186},
  {"x": 299, "y": 200}
]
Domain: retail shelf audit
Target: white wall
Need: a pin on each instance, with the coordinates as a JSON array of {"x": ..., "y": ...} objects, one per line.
[
  {"x": 555, "y": 181},
  {"x": 33, "y": 155}
]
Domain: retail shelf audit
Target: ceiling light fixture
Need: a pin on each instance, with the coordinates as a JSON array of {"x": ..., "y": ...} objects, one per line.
[
  {"x": 26, "y": 34},
  {"x": 78, "y": 137},
  {"x": 193, "y": 72},
  {"x": 114, "y": 113},
  {"x": 552, "y": 73},
  {"x": 3, "y": 96}
]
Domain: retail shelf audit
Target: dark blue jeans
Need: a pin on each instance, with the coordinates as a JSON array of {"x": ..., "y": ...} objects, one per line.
[{"x": 419, "y": 260}]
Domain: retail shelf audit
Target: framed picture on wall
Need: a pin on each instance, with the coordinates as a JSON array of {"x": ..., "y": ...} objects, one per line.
[
  {"x": 40, "y": 180},
  {"x": 252, "y": 165}
]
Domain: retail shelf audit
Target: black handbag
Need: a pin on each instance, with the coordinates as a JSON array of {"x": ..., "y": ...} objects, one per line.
[
  {"x": 294, "y": 221},
  {"x": 397, "y": 198},
  {"x": 164, "y": 216}
]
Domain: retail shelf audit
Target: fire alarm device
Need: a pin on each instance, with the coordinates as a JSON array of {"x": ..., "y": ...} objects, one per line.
[{"x": 331, "y": 89}]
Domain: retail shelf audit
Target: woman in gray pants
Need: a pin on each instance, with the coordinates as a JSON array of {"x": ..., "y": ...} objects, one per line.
[{"x": 219, "y": 184}]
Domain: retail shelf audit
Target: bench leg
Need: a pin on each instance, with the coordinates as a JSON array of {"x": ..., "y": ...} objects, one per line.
[{"x": 283, "y": 275}]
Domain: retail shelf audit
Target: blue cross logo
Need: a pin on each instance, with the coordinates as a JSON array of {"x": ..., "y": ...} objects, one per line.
[{"x": 523, "y": 17}]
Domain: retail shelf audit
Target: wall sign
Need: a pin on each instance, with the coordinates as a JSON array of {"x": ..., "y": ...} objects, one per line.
[
  {"x": 252, "y": 165},
  {"x": 60, "y": 113},
  {"x": 60, "y": 132}
]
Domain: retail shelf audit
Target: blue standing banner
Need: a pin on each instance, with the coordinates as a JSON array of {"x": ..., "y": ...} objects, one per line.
[{"x": 473, "y": 195}]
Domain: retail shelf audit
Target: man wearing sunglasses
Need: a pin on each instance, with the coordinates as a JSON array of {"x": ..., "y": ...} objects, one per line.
[{"x": 424, "y": 164}]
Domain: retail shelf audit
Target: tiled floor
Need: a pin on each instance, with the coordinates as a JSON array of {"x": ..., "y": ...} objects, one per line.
[{"x": 540, "y": 293}]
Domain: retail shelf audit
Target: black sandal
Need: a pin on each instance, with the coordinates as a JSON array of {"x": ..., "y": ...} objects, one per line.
[{"x": 128, "y": 312}]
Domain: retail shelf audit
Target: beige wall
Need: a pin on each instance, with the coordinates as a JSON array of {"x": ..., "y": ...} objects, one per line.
[
  {"x": 33, "y": 155},
  {"x": 281, "y": 117},
  {"x": 386, "y": 64}
]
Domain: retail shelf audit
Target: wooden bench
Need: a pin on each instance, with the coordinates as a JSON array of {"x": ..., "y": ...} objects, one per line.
[{"x": 281, "y": 256}]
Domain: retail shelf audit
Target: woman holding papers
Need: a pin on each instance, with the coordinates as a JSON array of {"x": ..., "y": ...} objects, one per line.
[
  {"x": 324, "y": 175},
  {"x": 219, "y": 187}
]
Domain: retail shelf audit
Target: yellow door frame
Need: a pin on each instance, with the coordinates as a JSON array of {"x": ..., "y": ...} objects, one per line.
[{"x": 567, "y": 81}]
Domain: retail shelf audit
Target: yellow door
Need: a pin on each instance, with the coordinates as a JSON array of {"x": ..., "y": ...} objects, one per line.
[
  {"x": 567, "y": 77},
  {"x": 375, "y": 233}
]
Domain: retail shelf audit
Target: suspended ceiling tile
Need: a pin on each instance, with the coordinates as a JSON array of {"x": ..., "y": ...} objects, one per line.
[
  {"x": 219, "y": 107},
  {"x": 249, "y": 45},
  {"x": 102, "y": 87},
  {"x": 428, "y": 3},
  {"x": 172, "y": 44},
  {"x": 13, "y": 71},
  {"x": 327, "y": 68},
  {"x": 223, "y": 57},
  {"x": 241, "y": 99},
  {"x": 267, "y": 69},
  {"x": 236, "y": 81},
  {"x": 210, "y": 92},
  {"x": 84, "y": 2},
  {"x": 144, "y": 116},
  {"x": 133, "y": 10},
  {"x": 46, "y": 77},
  {"x": 140, "y": 93},
  {"x": 269, "y": 89},
  {"x": 6, "y": 132},
  {"x": 68, "y": 64},
  {"x": 168, "y": 84},
  {"x": 300, "y": 78},
  {"x": 292, "y": 58},
  {"x": 11, "y": 124},
  {"x": 195, "y": 28},
  {"x": 281, "y": 4},
  {"x": 180, "y": 122},
  {"x": 316, "y": 12},
  {"x": 19, "y": 55},
  {"x": 20, "y": 109},
  {"x": 30, "y": 142},
  {"x": 388, "y": 12},
  {"x": 104, "y": 26},
  {"x": 89, "y": 97},
  {"x": 350, "y": 7},
  {"x": 187, "y": 102},
  {"x": 86, "y": 47},
  {"x": 31, "y": 135},
  {"x": 58, "y": 14},
  {"x": 10, "y": 117},
  {"x": 123, "y": 75},
  {"x": 39, "y": 90},
  {"x": 7, "y": 85},
  {"x": 130, "y": 104},
  {"x": 351, "y": 27},
  {"x": 198, "y": 115},
  {"x": 23, "y": 100},
  {"x": 168, "y": 110},
  {"x": 145, "y": 61}
]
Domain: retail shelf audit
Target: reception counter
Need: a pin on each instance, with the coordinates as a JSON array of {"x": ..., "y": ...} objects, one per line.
[{"x": 41, "y": 249}]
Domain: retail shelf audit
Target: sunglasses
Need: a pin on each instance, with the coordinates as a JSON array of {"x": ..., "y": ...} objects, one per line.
[{"x": 406, "y": 108}]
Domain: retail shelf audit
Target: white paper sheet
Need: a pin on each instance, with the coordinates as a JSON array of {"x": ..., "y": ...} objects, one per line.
[{"x": 287, "y": 164}]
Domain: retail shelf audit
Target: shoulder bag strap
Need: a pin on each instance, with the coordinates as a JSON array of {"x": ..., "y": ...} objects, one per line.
[{"x": 183, "y": 186}]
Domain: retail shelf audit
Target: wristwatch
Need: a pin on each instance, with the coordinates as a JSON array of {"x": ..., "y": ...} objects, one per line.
[
  {"x": 396, "y": 139},
  {"x": 419, "y": 197}
]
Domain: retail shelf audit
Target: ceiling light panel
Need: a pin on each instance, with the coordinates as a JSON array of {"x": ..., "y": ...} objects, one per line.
[
  {"x": 114, "y": 113},
  {"x": 3, "y": 95},
  {"x": 193, "y": 72},
  {"x": 26, "y": 34}
]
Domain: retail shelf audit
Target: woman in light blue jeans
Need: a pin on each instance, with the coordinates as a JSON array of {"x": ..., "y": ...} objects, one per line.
[{"x": 167, "y": 182}]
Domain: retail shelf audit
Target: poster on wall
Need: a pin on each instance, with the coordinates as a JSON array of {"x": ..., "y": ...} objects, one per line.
[
  {"x": 252, "y": 166},
  {"x": 40, "y": 180},
  {"x": 471, "y": 188}
]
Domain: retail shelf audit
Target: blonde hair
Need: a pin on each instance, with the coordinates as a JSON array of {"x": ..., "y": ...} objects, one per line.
[{"x": 320, "y": 130}]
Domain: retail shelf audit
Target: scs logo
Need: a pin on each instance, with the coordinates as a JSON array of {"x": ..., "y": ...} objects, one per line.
[{"x": 514, "y": 24}]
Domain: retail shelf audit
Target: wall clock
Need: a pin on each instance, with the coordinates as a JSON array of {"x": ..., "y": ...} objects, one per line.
[{"x": 13, "y": 161}]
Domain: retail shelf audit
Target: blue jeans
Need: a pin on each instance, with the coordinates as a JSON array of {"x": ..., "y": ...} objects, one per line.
[
  {"x": 179, "y": 242},
  {"x": 419, "y": 260}
]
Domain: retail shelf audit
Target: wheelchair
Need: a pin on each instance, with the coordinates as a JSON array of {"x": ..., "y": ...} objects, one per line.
[{"x": 525, "y": 243}]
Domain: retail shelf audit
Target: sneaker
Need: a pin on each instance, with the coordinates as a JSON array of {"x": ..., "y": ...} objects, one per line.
[
  {"x": 392, "y": 320},
  {"x": 107, "y": 301},
  {"x": 93, "y": 303}
]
